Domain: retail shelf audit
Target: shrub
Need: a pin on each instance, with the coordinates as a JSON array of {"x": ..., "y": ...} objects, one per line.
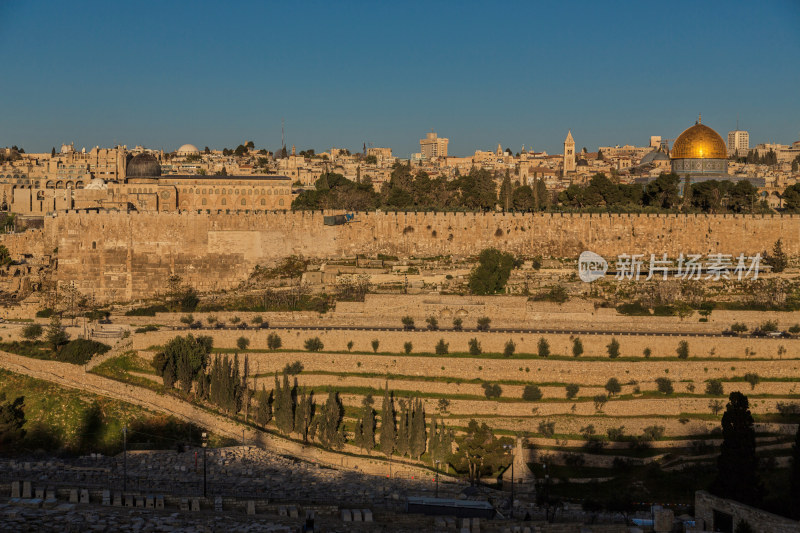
[
  {"x": 633, "y": 309},
  {"x": 408, "y": 323},
  {"x": 32, "y": 331},
  {"x": 242, "y": 343},
  {"x": 647, "y": 352},
  {"x": 211, "y": 320},
  {"x": 458, "y": 324},
  {"x": 509, "y": 348},
  {"x": 441, "y": 347},
  {"x": 577, "y": 347},
  {"x": 543, "y": 347},
  {"x": 492, "y": 390},
  {"x": 492, "y": 272},
  {"x": 274, "y": 341},
  {"x": 769, "y": 325},
  {"x": 738, "y": 327},
  {"x": 664, "y": 385},
  {"x": 683, "y": 350},
  {"x": 375, "y": 344},
  {"x": 443, "y": 405},
  {"x": 616, "y": 434},
  {"x": 716, "y": 406},
  {"x": 407, "y": 347},
  {"x": 80, "y": 351},
  {"x": 613, "y": 348},
  {"x": 532, "y": 393},
  {"x": 613, "y": 386},
  {"x": 257, "y": 320},
  {"x": 794, "y": 330},
  {"x": 652, "y": 433},
  {"x": 474, "y": 347},
  {"x": 349, "y": 346},
  {"x": 753, "y": 379},
  {"x": 146, "y": 329},
  {"x": 547, "y": 428},
  {"x": 44, "y": 313},
  {"x": 432, "y": 322},
  {"x": 714, "y": 387},
  {"x": 483, "y": 323},
  {"x": 187, "y": 319},
  {"x": 572, "y": 390},
  {"x": 293, "y": 368},
  {"x": 150, "y": 310},
  {"x": 314, "y": 344}
]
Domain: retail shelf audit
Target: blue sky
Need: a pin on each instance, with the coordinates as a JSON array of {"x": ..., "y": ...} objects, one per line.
[{"x": 162, "y": 74}]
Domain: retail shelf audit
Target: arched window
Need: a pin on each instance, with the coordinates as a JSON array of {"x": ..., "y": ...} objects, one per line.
[
  {"x": 204, "y": 202},
  {"x": 224, "y": 201},
  {"x": 263, "y": 201},
  {"x": 94, "y": 245},
  {"x": 244, "y": 201}
]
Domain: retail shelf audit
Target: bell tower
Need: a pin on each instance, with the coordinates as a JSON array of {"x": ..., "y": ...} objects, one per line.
[{"x": 569, "y": 153}]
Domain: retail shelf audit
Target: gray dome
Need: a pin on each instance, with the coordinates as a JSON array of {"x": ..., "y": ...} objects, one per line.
[
  {"x": 655, "y": 155},
  {"x": 143, "y": 166}
]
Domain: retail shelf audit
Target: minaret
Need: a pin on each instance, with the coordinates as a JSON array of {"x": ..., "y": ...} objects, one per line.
[{"x": 569, "y": 153}]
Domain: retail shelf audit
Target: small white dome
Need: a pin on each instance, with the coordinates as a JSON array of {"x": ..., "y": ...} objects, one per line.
[
  {"x": 187, "y": 149},
  {"x": 96, "y": 184}
]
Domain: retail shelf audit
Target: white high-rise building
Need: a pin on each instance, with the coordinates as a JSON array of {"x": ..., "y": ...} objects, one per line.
[{"x": 738, "y": 142}]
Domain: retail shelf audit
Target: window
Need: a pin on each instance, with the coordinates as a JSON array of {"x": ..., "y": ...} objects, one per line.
[
  {"x": 204, "y": 201},
  {"x": 263, "y": 201},
  {"x": 280, "y": 202},
  {"x": 244, "y": 201}
]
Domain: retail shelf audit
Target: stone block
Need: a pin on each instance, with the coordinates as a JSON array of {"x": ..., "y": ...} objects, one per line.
[
  {"x": 195, "y": 504},
  {"x": 84, "y": 496},
  {"x": 282, "y": 511},
  {"x": 50, "y": 493},
  {"x": 367, "y": 515},
  {"x": 150, "y": 502},
  {"x": 129, "y": 500},
  {"x": 73, "y": 495},
  {"x": 49, "y": 503},
  {"x": 293, "y": 512},
  {"x": 106, "y": 497},
  {"x": 184, "y": 504},
  {"x": 356, "y": 515},
  {"x": 117, "y": 499},
  {"x": 15, "y": 489},
  {"x": 346, "y": 515},
  {"x": 662, "y": 520},
  {"x": 218, "y": 504},
  {"x": 251, "y": 507},
  {"x": 38, "y": 493},
  {"x": 438, "y": 522},
  {"x": 476, "y": 525},
  {"x": 159, "y": 502},
  {"x": 26, "y": 488}
]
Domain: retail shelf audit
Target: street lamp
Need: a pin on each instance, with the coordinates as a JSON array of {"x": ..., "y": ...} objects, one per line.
[
  {"x": 510, "y": 448},
  {"x": 205, "y": 438}
]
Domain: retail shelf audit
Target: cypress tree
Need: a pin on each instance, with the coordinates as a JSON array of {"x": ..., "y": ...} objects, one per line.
[
  {"x": 330, "y": 436},
  {"x": 402, "y": 430},
  {"x": 387, "y": 438},
  {"x": 264, "y": 411},
  {"x": 737, "y": 466},
  {"x": 433, "y": 441},
  {"x": 246, "y": 393},
  {"x": 365, "y": 427},
  {"x": 303, "y": 415},
  {"x": 418, "y": 437},
  {"x": 284, "y": 409}
]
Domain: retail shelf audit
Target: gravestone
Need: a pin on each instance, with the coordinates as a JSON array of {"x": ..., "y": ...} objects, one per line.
[
  {"x": 15, "y": 492},
  {"x": 39, "y": 493},
  {"x": 51, "y": 493},
  {"x": 117, "y": 499},
  {"x": 346, "y": 515},
  {"x": 662, "y": 520},
  {"x": 73, "y": 495},
  {"x": 106, "y": 497},
  {"x": 159, "y": 502},
  {"x": 293, "y": 512},
  {"x": 150, "y": 502},
  {"x": 184, "y": 504},
  {"x": 282, "y": 511},
  {"x": 476, "y": 525},
  {"x": 218, "y": 504},
  {"x": 129, "y": 500},
  {"x": 195, "y": 504},
  {"x": 251, "y": 507},
  {"x": 367, "y": 515},
  {"x": 356, "y": 515},
  {"x": 26, "y": 489},
  {"x": 84, "y": 496}
]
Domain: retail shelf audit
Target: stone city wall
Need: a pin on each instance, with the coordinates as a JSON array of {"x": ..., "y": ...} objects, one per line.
[
  {"x": 121, "y": 256},
  {"x": 760, "y": 521}
]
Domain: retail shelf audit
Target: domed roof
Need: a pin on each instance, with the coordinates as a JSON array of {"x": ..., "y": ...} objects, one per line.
[
  {"x": 143, "y": 165},
  {"x": 655, "y": 155},
  {"x": 699, "y": 142},
  {"x": 188, "y": 149}
]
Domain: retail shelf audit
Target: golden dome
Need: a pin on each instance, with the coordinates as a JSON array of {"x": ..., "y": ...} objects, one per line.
[{"x": 699, "y": 142}]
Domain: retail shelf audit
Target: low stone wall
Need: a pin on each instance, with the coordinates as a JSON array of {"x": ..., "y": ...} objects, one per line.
[{"x": 761, "y": 521}]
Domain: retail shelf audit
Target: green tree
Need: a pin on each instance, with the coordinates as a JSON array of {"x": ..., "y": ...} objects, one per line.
[
  {"x": 32, "y": 331},
  {"x": 185, "y": 358},
  {"x": 508, "y": 349},
  {"x": 55, "y": 335},
  {"x": 433, "y": 323},
  {"x": 417, "y": 435},
  {"x": 242, "y": 343},
  {"x": 714, "y": 387},
  {"x": 577, "y": 347},
  {"x": 737, "y": 467},
  {"x": 313, "y": 344},
  {"x": 599, "y": 401},
  {"x": 572, "y": 390},
  {"x": 12, "y": 423},
  {"x": 407, "y": 347},
  {"x": 5, "y": 256},
  {"x": 664, "y": 385},
  {"x": 613, "y": 386},
  {"x": 304, "y": 415},
  {"x": 531, "y": 393},
  {"x": 388, "y": 439},
  {"x": 479, "y": 452},
  {"x": 375, "y": 345},
  {"x": 613, "y": 348},
  {"x": 543, "y": 347},
  {"x": 408, "y": 323},
  {"x": 474, "y": 346},
  {"x": 753, "y": 379},
  {"x": 683, "y": 350},
  {"x": 458, "y": 324},
  {"x": 777, "y": 259},
  {"x": 483, "y": 323},
  {"x": 492, "y": 390},
  {"x": 274, "y": 341},
  {"x": 284, "y": 404},
  {"x": 441, "y": 347},
  {"x": 330, "y": 434},
  {"x": 403, "y": 434},
  {"x": 365, "y": 427},
  {"x": 492, "y": 272}
]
